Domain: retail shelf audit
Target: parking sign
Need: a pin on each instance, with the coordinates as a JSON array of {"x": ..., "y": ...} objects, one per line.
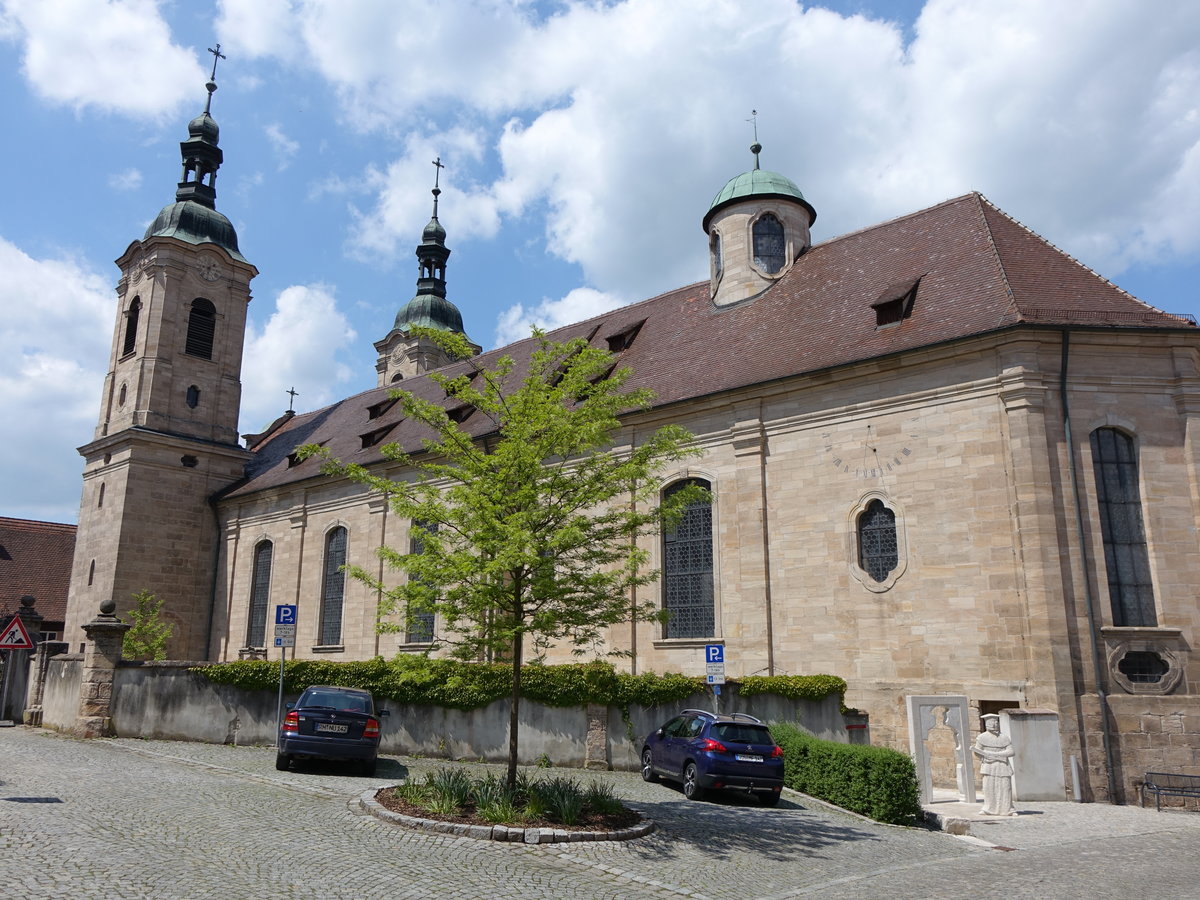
[
  {"x": 714, "y": 653},
  {"x": 285, "y": 614}
]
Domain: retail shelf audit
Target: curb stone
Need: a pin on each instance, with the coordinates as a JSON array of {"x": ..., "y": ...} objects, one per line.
[{"x": 509, "y": 833}]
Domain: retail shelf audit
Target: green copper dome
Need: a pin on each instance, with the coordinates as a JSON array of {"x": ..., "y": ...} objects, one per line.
[
  {"x": 190, "y": 221},
  {"x": 758, "y": 183},
  {"x": 430, "y": 311}
]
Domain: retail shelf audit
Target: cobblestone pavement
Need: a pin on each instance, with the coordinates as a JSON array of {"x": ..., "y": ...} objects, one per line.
[{"x": 182, "y": 821}]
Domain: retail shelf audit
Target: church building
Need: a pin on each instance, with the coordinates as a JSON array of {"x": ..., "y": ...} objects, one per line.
[{"x": 944, "y": 458}]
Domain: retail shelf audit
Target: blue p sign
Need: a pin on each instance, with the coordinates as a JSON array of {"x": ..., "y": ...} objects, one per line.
[
  {"x": 714, "y": 653},
  {"x": 285, "y": 615}
]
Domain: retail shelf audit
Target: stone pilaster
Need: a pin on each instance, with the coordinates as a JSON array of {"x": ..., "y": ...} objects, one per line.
[{"x": 105, "y": 634}]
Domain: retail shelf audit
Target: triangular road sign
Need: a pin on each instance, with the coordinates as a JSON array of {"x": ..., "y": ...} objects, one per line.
[{"x": 14, "y": 636}]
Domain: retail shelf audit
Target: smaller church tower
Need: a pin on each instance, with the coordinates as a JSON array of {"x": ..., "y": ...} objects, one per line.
[
  {"x": 167, "y": 438},
  {"x": 401, "y": 353},
  {"x": 757, "y": 226}
]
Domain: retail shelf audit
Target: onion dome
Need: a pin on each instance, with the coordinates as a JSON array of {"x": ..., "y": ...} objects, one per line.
[{"x": 429, "y": 311}]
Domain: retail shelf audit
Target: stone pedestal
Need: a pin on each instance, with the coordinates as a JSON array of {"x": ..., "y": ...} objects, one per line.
[{"x": 106, "y": 634}]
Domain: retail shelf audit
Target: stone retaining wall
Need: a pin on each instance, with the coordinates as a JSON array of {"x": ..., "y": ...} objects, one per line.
[{"x": 169, "y": 701}]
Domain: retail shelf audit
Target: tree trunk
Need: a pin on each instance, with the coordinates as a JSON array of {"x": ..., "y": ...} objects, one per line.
[{"x": 514, "y": 712}]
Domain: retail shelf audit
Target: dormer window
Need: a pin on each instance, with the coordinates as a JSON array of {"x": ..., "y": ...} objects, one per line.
[
  {"x": 624, "y": 340},
  {"x": 769, "y": 245},
  {"x": 371, "y": 438},
  {"x": 896, "y": 303},
  {"x": 375, "y": 410}
]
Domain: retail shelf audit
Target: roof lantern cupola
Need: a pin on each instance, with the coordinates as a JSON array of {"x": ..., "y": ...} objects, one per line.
[
  {"x": 193, "y": 217},
  {"x": 758, "y": 226},
  {"x": 401, "y": 354}
]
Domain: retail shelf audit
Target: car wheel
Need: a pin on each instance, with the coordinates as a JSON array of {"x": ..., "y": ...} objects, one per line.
[
  {"x": 367, "y": 767},
  {"x": 768, "y": 799},
  {"x": 648, "y": 766},
  {"x": 691, "y": 783},
  {"x": 282, "y": 761}
]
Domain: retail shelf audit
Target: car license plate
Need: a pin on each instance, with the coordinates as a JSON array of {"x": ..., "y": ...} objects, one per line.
[
  {"x": 747, "y": 757},
  {"x": 342, "y": 729}
]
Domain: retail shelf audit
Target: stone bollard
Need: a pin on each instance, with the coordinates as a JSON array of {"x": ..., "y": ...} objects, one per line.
[
  {"x": 596, "y": 749},
  {"x": 106, "y": 634}
]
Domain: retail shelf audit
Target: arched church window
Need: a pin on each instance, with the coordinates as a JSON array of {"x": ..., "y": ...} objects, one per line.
[
  {"x": 878, "y": 550},
  {"x": 768, "y": 243},
  {"x": 100, "y": 499},
  {"x": 131, "y": 326},
  {"x": 688, "y": 569},
  {"x": 333, "y": 588},
  {"x": 718, "y": 263},
  {"x": 1114, "y": 462},
  {"x": 260, "y": 589},
  {"x": 202, "y": 328},
  {"x": 193, "y": 400},
  {"x": 420, "y": 623}
]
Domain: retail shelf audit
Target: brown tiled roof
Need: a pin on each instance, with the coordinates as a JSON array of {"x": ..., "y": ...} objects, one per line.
[
  {"x": 35, "y": 558},
  {"x": 974, "y": 268}
]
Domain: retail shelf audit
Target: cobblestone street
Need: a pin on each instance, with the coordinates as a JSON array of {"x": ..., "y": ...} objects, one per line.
[{"x": 153, "y": 819}]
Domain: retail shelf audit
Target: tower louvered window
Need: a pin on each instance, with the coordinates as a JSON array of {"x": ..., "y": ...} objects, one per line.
[
  {"x": 202, "y": 328},
  {"x": 260, "y": 590},
  {"x": 1114, "y": 461},
  {"x": 131, "y": 327},
  {"x": 688, "y": 569},
  {"x": 333, "y": 588},
  {"x": 768, "y": 244},
  {"x": 878, "y": 552}
]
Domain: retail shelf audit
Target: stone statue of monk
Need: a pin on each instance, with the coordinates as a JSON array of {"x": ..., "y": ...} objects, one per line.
[{"x": 994, "y": 751}]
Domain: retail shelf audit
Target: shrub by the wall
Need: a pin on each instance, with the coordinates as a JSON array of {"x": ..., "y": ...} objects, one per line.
[{"x": 874, "y": 781}]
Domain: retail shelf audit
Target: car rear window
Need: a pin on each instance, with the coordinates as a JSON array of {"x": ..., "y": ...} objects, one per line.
[
  {"x": 336, "y": 700},
  {"x": 739, "y": 733}
]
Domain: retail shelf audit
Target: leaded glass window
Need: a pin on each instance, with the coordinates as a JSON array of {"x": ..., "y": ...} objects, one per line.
[
  {"x": 260, "y": 590},
  {"x": 768, "y": 244},
  {"x": 202, "y": 328},
  {"x": 718, "y": 264},
  {"x": 333, "y": 588},
  {"x": 420, "y": 624},
  {"x": 1114, "y": 461},
  {"x": 878, "y": 551},
  {"x": 688, "y": 569}
]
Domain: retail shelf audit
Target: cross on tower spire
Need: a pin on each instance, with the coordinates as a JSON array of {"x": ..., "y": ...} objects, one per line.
[
  {"x": 212, "y": 79},
  {"x": 756, "y": 147},
  {"x": 437, "y": 174}
]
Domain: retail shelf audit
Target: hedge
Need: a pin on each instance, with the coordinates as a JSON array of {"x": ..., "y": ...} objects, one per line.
[
  {"x": 460, "y": 685},
  {"x": 875, "y": 781}
]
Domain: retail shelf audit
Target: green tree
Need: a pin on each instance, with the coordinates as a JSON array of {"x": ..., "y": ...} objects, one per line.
[
  {"x": 527, "y": 526},
  {"x": 148, "y": 637}
]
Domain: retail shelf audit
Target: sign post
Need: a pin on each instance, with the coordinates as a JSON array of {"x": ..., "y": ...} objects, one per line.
[
  {"x": 714, "y": 665},
  {"x": 13, "y": 637},
  {"x": 285, "y": 636}
]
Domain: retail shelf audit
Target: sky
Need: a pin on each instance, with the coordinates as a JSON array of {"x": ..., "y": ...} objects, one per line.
[{"x": 582, "y": 143}]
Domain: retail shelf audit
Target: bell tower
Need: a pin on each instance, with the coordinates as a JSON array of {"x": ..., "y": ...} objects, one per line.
[
  {"x": 167, "y": 439},
  {"x": 401, "y": 353}
]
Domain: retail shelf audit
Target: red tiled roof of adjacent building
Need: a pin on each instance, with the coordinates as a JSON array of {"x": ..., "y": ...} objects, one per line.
[
  {"x": 35, "y": 559},
  {"x": 964, "y": 267}
]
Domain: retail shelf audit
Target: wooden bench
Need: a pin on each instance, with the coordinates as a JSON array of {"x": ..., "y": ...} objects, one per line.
[{"x": 1169, "y": 784}]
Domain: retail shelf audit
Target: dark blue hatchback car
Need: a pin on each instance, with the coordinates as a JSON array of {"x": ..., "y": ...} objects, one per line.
[
  {"x": 330, "y": 722},
  {"x": 704, "y": 751}
]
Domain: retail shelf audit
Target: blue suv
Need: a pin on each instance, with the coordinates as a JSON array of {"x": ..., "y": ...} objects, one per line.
[{"x": 705, "y": 751}]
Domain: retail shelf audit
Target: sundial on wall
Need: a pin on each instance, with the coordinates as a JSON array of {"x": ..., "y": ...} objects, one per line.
[{"x": 868, "y": 456}]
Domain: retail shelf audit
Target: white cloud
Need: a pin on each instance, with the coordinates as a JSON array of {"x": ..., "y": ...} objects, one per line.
[
  {"x": 129, "y": 180},
  {"x": 55, "y": 337},
  {"x": 116, "y": 55},
  {"x": 285, "y": 148},
  {"x": 517, "y": 322},
  {"x": 298, "y": 348}
]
